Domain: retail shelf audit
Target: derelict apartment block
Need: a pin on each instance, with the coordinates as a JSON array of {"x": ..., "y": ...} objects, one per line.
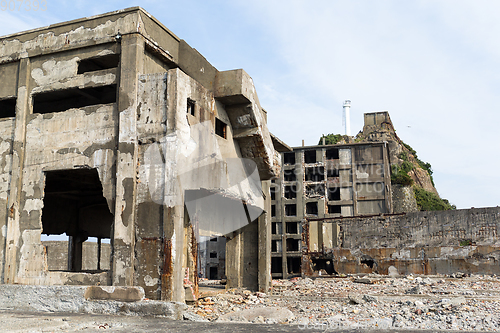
[
  {"x": 320, "y": 183},
  {"x": 114, "y": 128}
]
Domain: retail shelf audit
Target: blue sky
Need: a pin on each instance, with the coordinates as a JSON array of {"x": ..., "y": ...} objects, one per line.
[{"x": 433, "y": 64}]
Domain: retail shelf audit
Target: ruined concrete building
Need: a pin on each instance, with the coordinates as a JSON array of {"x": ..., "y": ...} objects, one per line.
[
  {"x": 335, "y": 210},
  {"x": 321, "y": 182},
  {"x": 113, "y": 127}
]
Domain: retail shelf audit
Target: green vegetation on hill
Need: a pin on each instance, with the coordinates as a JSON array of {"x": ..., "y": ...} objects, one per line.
[
  {"x": 330, "y": 139},
  {"x": 424, "y": 165},
  {"x": 430, "y": 201}
]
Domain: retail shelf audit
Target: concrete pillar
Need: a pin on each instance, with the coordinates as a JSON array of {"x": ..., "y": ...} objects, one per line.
[
  {"x": 264, "y": 222},
  {"x": 13, "y": 238},
  {"x": 131, "y": 64}
]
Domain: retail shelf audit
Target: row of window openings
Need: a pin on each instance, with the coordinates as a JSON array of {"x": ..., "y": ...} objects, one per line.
[
  {"x": 292, "y": 245},
  {"x": 292, "y": 228},
  {"x": 311, "y": 174},
  {"x": 311, "y": 209},
  {"x": 290, "y": 192},
  {"x": 220, "y": 126},
  {"x": 62, "y": 100},
  {"x": 310, "y": 156}
]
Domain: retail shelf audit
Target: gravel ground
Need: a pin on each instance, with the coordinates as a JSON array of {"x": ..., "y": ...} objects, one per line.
[{"x": 458, "y": 302}]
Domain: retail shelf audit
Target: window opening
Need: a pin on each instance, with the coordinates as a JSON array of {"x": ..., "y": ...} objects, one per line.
[
  {"x": 292, "y": 245},
  {"x": 213, "y": 255},
  {"x": 315, "y": 190},
  {"x": 293, "y": 265},
  {"x": 315, "y": 174},
  {"x": 332, "y": 154},
  {"x": 312, "y": 208},
  {"x": 276, "y": 245},
  {"x": 277, "y": 265},
  {"x": 190, "y": 106},
  {"x": 333, "y": 194},
  {"x": 334, "y": 209},
  {"x": 289, "y": 158},
  {"x": 8, "y": 108},
  {"x": 292, "y": 228},
  {"x": 291, "y": 210},
  {"x": 273, "y": 210},
  {"x": 273, "y": 193},
  {"x": 291, "y": 192},
  {"x": 310, "y": 156},
  {"x": 214, "y": 273},
  {"x": 289, "y": 175},
  {"x": 73, "y": 98},
  {"x": 74, "y": 205},
  {"x": 276, "y": 228},
  {"x": 220, "y": 128},
  {"x": 98, "y": 63}
]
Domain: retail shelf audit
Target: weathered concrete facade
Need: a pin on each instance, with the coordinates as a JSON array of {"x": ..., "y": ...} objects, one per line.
[
  {"x": 434, "y": 242},
  {"x": 113, "y": 127},
  {"x": 320, "y": 182}
]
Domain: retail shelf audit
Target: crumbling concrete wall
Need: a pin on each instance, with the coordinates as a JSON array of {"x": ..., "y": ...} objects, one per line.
[
  {"x": 58, "y": 256},
  {"x": 420, "y": 242}
]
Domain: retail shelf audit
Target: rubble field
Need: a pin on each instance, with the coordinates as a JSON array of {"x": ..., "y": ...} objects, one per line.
[{"x": 457, "y": 302}]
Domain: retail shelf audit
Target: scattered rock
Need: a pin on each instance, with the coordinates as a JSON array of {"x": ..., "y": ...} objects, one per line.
[
  {"x": 370, "y": 299},
  {"x": 194, "y": 317},
  {"x": 393, "y": 271},
  {"x": 363, "y": 280},
  {"x": 355, "y": 299}
]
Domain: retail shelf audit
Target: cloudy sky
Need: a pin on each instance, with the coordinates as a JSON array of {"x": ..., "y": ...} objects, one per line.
[{"x": 433, "y": 64}]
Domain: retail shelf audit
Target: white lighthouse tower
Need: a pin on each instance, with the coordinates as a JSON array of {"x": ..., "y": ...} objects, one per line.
[{"x": 346, "y": 119}]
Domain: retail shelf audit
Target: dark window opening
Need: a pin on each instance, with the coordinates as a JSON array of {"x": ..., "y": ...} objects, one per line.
[
  {"x": 324, "y": 265},
  {"x": 289, "y": 158},
  {"x": 310, "y": 156},
  {"x": 73, "y": 98},
  {"x": 292, "y": 228},
  {"x": 291, "y": 210},
  {"x": 276, "y": 228},
  {"x": 74, "y": 205},
  {"x": 190, "y": 107},
  {"x": 293, "y": 265},
  {"x": 332, "y": 154},
  {"x": 273, "y": 210},
  {"x": 334, "y": 209},
  {"x": 312, "y": 208},
  {"x": 220, "y": 128},
  {"x": 292, "y": 245},
  {"x": 8, "y": 108},
  {"x": 332, "y": 173},
  {"x": 214, "y": 239},
  {"x": 316, "y": 174},
  {"x": 289, "y": 175},
  {"x": 333, "y": 194},
  {"x": 273, "y": 180},
  {"x": 214, "y": 273},
  {"x": 315, "y": 190},
  {"x": 291, "y": 192},
  {"x": 213, "y": 255},
  {"x": 273, "y": 193},
  {"x": 276, "y": 265},
  {"x": 98, "y": 63},
  {"x": 276, "y": 246}
]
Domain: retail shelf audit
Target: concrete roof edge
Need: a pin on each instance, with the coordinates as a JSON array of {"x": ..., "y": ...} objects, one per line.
[
  {"x": 279, "y": 145},
  {"x": 119, "y": 11}
]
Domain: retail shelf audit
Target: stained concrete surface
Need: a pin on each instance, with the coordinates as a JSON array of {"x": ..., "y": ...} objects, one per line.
[{"x": 22, "y": 322}]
